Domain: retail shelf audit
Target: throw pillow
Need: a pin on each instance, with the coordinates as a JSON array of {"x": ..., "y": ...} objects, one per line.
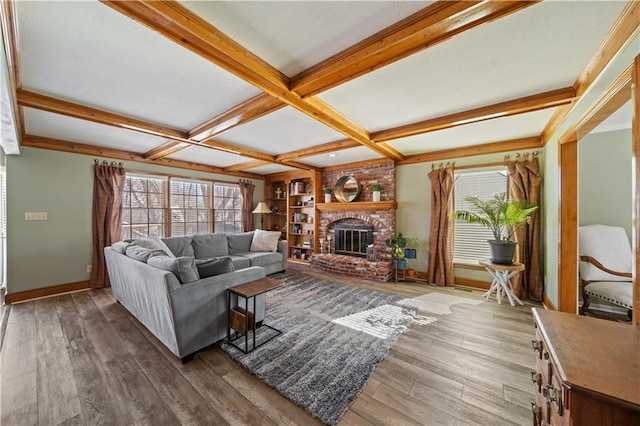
[
  {"x": 217, "y": 266},
  {"x": 155, "y": 243},
  {"x": 265, "y": 240},
  {"x": 142, "y": 254},
  {"x": 120, "y": 246},
  {"x": 239, "y": 242},
  {"x": 206, "y": 246},
  {"x": 184, "y": 268}
]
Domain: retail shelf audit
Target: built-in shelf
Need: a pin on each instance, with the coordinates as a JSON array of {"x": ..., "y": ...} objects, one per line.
[{"x": 357, "y": 206}]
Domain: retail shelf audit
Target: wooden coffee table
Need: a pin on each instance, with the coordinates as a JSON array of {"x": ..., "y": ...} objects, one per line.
[{"x": 245, "y": 320}]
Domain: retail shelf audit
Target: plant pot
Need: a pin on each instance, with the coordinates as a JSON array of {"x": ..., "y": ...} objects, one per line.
[
  {"x": 376, "y": 196},
  {"x": 410, "y": 253},
  {"x": 327, "y": 198},
  {"x": 411, "y": 273},
  {"x": 502, "y": 251},
  {"x": 401, "y": 264}
]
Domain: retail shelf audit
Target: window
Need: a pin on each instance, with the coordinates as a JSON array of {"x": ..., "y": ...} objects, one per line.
[
  {"x": 470, "y": 239},
  {"x": 227, "y": 207},
  {"x": 143, "y": 206},
  {"x": 190, "y": 207},
  {"x": 167, "y": 206}
]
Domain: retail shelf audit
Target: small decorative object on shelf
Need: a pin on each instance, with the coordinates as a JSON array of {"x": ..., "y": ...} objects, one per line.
[
  {"x": 278, "y": 193},
  {"x": 372, "y": 255},
  {"x": 376, "y": 192},
  {"x": 327, "y": 194}
]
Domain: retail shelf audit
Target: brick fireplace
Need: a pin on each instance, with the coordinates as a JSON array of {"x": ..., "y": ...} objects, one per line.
[{"x": 381, "y": 218}]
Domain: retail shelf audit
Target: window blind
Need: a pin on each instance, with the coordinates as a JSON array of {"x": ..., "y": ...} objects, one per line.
[
  {"x": 144, "y": 200},
  {"x": 227, "y": 206},
  {"x": 190, "y": 207},
  {"x": 470, "y": 240}
]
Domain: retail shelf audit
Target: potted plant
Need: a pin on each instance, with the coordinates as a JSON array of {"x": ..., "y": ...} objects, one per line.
[
  {"x": 376, "y": 192},
  {"x": 503, "y": 218},
  {"x": 327, "y": 194},
  {"x": 398, "y": 246}
]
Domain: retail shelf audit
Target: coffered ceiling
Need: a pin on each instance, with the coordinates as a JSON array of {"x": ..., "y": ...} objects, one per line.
[{"x": 258, "y": 87}]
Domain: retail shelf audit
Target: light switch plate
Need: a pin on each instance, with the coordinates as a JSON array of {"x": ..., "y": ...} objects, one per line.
[{"x": 35, "y": 216}]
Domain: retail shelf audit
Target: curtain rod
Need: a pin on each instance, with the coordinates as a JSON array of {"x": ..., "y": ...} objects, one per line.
[{"x": 105, "y": 162}]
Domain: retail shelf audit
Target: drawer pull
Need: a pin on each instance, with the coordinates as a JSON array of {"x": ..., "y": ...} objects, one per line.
[
  {"x": 550, "y": 393},
  {"x": 537, "y": 347},
  {"x": 537, "y": 379},
  {"x": 537, "y": 414}
]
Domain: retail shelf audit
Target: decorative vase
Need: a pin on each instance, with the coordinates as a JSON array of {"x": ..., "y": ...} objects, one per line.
[
  {"x": 401, "y": 264},
  {"x": 376, "y": 196},
  {"x": 327, "y": 198},
  {"x": 502, "y": 251}
]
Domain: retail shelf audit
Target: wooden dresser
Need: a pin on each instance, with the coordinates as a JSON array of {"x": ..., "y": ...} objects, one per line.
[{"x": 587, "y": 371}]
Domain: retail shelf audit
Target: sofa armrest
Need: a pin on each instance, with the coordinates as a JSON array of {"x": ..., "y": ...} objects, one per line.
[
  {"x": 200, "y": 308},
  {"x": 282, "y": 248}
]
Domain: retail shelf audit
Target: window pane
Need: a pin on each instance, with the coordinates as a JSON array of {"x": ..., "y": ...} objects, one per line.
[
  {"x": 470, "y": 239},
  {"x": 186, "y": 197},
  {"x": 143, "y": 202}
]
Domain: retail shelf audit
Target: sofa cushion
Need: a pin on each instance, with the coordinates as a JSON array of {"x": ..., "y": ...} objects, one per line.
[
  {"x": 216, "y": 266},
  {"x": 207, "y": 246},
  {"x": 262, "y": 258},
  {"x": 155, "y": 243},
  {"x": 142, "y": 254},
  {"x": 180, "y": 246},
  {"x": 240, "y": 242},
  {"x": 184, "y": 268},
  {"x": 240, "y": 262},
  {"x": 265, "y": 240}
]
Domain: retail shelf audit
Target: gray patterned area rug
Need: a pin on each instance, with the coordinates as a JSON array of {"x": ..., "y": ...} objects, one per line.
[{"x": 333, "y": 337}]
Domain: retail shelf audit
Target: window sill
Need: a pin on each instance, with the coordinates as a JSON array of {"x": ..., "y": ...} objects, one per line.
[{"x": 475, "y": 267}]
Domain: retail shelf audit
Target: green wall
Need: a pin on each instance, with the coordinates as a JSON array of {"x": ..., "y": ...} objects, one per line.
[
  {"x": 58, "y": 250},
  {"x": 605, "y": 179},
  {"x": 413, "y": 193}
]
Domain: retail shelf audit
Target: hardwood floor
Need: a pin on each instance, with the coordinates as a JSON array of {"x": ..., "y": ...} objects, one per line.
[{"x": 81, "y": 358}]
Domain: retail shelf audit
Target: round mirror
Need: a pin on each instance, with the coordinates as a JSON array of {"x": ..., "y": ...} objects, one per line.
[{"x": 347, "y": 189}]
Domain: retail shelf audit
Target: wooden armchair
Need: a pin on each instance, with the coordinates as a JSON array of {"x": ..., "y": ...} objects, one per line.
[{"x": 601, "y": 245}]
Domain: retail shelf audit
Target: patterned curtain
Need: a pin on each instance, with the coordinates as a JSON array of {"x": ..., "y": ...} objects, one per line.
[
  {"x": 108, "y": 183},
  {"x": 524, "y": 185},
  {"x": 440, "y": 270},
  {"x": 246, "y": 194}
]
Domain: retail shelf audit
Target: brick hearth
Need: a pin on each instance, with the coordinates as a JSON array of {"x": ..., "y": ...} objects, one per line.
[{"x": 353, "y": 266}]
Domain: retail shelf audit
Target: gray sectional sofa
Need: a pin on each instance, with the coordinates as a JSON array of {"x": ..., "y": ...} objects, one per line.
[{"x": 158, "y": 281}]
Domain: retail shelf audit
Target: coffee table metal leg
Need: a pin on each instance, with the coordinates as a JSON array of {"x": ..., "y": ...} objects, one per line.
[{"x": 246, "y": 326}]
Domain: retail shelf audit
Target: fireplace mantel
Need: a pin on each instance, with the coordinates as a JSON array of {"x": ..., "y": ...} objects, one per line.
[{"x": 368, "y": 206}]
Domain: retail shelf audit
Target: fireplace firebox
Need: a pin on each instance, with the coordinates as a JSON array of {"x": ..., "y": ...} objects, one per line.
[{"x": 352, "y": 240}]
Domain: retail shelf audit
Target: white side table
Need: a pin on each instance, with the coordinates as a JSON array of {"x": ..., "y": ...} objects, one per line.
[{"x": 501, "y": 280}]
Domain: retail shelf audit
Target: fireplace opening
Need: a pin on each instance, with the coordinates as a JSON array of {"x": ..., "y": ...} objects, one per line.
[{"x": 352, "y": 240}]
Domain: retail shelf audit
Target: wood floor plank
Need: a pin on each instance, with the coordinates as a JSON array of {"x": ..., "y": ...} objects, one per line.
[
  {"x": 96, "y": 390},
  {"x": 378, "y": 413},
  {"x": 142, "y": 401},
  {"x": 275, "y": 406},
  {"x": 352, "y": 419},
  {"x": 57, "y": 394},
  {"x": 24, "y": 416},
  {"x": 18, "y": 378},
  {"x": 413, "y": 408},
  {"x": 231, "y": 405},
  {"x": 171, "y": 386}
]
